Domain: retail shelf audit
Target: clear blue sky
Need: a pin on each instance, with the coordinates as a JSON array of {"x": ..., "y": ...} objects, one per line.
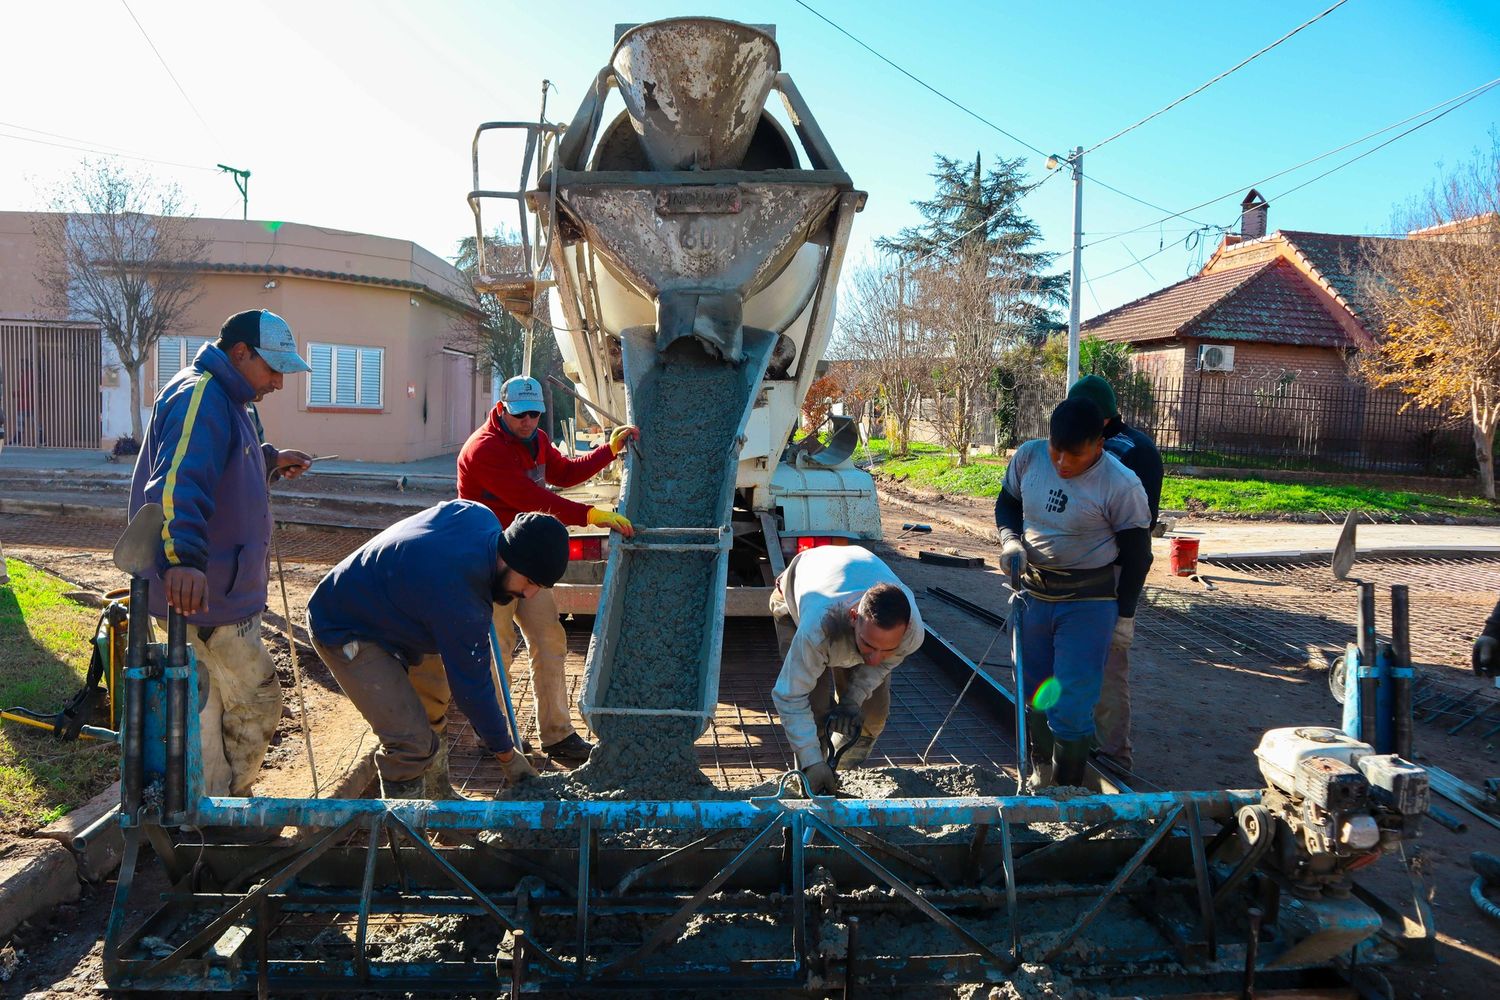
[{"x": 359, "y": 115}]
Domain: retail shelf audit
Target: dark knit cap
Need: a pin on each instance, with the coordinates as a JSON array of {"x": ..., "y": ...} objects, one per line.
[
  {"x": 536, "y": 546},
  {"x": 1097, "y": 390}
]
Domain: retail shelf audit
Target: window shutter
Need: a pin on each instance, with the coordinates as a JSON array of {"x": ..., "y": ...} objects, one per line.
[
  {"x": 320, "y": 379},
  {"x": 168, "y": 360},
  {"x": 371, "y": 369},
  {"x": 345, "y": 373}
]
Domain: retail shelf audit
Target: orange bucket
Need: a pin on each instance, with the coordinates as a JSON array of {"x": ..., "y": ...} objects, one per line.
[{"x": 1184, "y": 556}]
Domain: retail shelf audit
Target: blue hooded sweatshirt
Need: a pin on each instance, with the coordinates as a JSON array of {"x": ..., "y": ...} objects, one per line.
[
  {"x": 425, "y": 585},
  {"x": 203, "y": 460}
]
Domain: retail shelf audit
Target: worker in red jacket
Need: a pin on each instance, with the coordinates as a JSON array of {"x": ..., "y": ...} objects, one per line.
[{"x": 507, "y": 465}]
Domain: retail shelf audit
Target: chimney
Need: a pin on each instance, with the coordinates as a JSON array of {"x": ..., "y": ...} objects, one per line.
[{"x": 1253, "y": 216}]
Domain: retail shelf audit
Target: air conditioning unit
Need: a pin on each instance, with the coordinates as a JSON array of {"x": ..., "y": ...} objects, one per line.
[{"x": 1215, "y": 358}]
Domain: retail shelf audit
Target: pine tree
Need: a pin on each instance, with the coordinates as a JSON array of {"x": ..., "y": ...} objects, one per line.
[{"x": 977, "y": 210}]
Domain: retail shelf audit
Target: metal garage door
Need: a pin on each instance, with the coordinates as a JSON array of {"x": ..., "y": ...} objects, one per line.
[{"x": 49, "y": 385}]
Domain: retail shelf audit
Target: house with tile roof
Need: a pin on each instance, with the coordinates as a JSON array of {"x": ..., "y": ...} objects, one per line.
[
  {"x": 387, "y": 326},
  {"x": 1285, "y": 305},
  {"x": 1255, "y": 355}
]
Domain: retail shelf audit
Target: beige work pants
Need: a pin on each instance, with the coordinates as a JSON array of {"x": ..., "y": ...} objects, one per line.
[
  {"x": 243, "y": 705},
  {"x": 1112, "y": 710},
  {"x": 547, "y": 647},
  {"x": 399, "y": 704}
]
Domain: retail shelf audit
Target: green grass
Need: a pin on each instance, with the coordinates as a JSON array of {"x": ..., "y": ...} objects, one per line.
[
  {"x": 1254, "y": 496},
  {"x": 932, "y": 469},
  {"x": 44, "y": 655}
]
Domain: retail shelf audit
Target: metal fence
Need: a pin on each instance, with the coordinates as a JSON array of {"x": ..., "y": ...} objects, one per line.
[
  {"x": 49, "y": 385},
  {"x": 1225, "y": 421}
]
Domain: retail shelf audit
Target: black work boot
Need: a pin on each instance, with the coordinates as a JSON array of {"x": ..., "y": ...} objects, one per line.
[
  {"x": 573, "y": 749},
  {"x": 1039, "y": 741},
  {"x": 411, "y": 788},
  {"x": 1070, "y": 759}
]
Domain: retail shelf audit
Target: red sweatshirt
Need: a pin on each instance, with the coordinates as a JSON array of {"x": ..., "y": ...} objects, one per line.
[{"x": 498, "y": 469}]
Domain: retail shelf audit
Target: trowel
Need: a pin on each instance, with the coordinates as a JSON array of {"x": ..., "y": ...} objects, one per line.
[{"x": 135, "y": 552}]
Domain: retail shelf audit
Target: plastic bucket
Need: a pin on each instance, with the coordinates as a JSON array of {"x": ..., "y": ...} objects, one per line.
[{"x": 1184, "y": 556}]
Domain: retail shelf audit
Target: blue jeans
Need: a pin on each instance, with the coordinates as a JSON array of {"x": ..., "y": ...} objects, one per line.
[{"x": 1068, "y": 640}]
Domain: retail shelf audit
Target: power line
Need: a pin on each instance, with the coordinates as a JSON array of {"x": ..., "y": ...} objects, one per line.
[
  {"x": 1465, "y": 97},
  {"x": 92, "y": 149},
  {"x": 1239, "y": 65},
  {"x": 916, "y": 79},
  {"x": 160, "y": 58},
  {"x": 1470, "y": 96}
]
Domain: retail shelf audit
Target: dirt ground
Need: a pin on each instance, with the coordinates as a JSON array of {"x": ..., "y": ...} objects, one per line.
[{"x": 1212, "y": 670}]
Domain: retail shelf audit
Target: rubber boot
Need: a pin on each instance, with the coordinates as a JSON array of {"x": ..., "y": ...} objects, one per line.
[
  {"x": 1040, "y": 741},
  {"x": 436, "y": 783},
  {"x": 411, "y": 788},
  {"x": 857, "y": 753},
  {"x": 1070, "y": 759}
]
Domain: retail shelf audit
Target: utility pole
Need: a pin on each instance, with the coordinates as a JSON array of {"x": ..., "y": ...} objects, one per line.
[
  {"x": 1077, "y": 270},
  {"x": 241, "y": 181}
]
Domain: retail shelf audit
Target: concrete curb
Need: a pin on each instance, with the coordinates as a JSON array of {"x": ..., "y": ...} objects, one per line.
[{"x": 36, "y": 876}]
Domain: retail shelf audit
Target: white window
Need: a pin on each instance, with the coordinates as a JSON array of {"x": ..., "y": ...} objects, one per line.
[
  {"x": 346, "y": 376},
  {"x": 173, "y": 354}
]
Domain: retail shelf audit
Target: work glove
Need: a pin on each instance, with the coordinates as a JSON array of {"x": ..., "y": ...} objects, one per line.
[
  {"x": 845, "y": 720},
  {"x": 821, "y": 779},
  {"x": 621, "y": 436},
  {"x": 515, "y": 766},
  {"x": 1487, "y": 656},
  {"x": 599, "y": 518},
  {"x": 1124, "y": 633},
  {"x": 1013, "y": 556}
]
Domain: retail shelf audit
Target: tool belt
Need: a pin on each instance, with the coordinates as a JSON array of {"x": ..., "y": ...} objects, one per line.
[{"x": 1052, "y": 583}]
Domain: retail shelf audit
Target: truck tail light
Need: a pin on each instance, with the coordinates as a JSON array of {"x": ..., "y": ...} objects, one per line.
[
  {"x": 817, "y": 541},
  {"x": 586, "y": 548}
]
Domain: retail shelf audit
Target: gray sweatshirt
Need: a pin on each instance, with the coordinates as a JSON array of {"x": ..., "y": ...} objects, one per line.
[{"x": 832, "y": 577}]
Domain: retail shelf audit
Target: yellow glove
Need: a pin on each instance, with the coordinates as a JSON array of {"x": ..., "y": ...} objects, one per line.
[
  {"x": 621, "y": 436},
  {"x": 609, "y": 519}
]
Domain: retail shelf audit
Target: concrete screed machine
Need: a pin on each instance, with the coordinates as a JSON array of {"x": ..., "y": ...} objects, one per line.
[{"x": 694, "y": 262}]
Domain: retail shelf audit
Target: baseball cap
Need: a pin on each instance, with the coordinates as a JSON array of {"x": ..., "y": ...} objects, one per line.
[
  {"x": 268, "y": 334},
  {"x": 522, "y": 394}
]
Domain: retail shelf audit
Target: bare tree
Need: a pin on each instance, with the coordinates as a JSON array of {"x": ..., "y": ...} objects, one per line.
[
  {"x": 115, "y": 250},
  {"x": 880, "y": 335},
  {"x": 971, "y": 302},
  {"x": 1437, "y": 295}
]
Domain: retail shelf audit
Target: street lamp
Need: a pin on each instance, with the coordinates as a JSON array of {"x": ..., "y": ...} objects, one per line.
[{"x": 1076, "y": 162}]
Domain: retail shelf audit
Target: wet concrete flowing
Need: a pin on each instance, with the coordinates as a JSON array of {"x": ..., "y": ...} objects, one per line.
[{"x": 689, "y": 407}]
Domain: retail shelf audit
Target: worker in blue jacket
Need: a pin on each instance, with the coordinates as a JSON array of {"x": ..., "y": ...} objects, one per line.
[
  {"x": 205, "y": 461},
  {"x": 412, "y": 607}
]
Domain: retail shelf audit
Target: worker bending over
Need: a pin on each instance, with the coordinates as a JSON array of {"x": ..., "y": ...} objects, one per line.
[
  {"x": 507, "y": 465},
  {"x": 409, "y": 610},
  {"x": 1067, "y": 512},
  {"x": 1137, "y": 452},
  {"x": 855, "y": 623}
]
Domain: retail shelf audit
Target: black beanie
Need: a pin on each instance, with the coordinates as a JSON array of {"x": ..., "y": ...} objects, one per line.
[{"x": 536, "y": 546}]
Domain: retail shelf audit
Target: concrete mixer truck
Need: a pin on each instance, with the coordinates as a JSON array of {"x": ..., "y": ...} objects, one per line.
[{"x": 689, "y": 220}]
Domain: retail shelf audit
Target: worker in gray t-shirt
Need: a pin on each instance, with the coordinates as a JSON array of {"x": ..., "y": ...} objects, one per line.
[{"x": 1068, "y": 511}]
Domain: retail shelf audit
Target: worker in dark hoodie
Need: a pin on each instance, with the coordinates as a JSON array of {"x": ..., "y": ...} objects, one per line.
[
  {"x": 1136, "y": 451},
  {"x": 410, "y": 609}
]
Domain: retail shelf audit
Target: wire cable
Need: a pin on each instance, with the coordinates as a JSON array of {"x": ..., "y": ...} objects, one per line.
[
  {"x": 1464, "y": 98},
  {"x": 916, "y": 79},
  {"x": 1239, "y": 65},
  {"x": 160, "y": 58},
  {"x": 94, "y": 149}
]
